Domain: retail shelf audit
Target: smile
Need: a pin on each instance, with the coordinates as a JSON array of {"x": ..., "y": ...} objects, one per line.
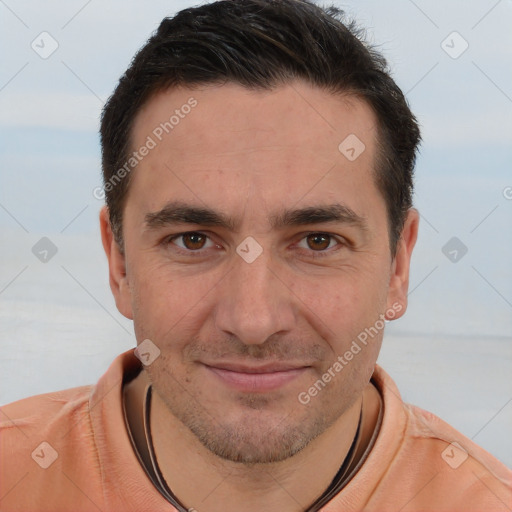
[{"x": 256, "y": 379}]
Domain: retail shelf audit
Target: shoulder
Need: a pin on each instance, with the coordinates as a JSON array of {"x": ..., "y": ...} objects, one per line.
[
  {"x": 70, "y": 450},
  {"x": 456, "y": 461},
  {"x": 432, "y": 466},
  {"x": 30, "y": 414},
  {"x": 44, "y": 439}
]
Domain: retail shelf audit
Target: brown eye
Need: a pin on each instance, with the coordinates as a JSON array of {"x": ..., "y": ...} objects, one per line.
[
  {"x": 318, "y": 241},
  {"x": 193, "y": 241}
]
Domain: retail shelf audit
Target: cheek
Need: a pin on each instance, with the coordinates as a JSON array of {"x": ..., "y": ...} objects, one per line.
[
  {"x": 343, "y": 299},
  {"x": 345, "y": 310},
  {"x": 154, "y": 300},
  {"x": 167, "y": 305}
]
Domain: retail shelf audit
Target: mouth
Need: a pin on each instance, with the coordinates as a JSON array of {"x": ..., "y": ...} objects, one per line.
[{"x": 255, "y": 379}]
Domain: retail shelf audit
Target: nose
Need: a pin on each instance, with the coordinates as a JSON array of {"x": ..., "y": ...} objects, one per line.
[{"x": 255, "y": 303}]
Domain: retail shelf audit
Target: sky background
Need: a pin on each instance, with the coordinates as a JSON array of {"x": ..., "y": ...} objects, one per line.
[{"x": 59, "y": 328}]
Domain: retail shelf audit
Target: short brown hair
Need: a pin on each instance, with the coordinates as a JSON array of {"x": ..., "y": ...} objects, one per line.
[{"x": 261, "y": 44}]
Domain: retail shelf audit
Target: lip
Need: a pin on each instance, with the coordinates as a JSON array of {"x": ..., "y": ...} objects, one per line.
[{"x": 256, "y": 379}]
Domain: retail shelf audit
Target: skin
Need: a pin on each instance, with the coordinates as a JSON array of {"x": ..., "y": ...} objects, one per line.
[{"x": 251, "y": 155}]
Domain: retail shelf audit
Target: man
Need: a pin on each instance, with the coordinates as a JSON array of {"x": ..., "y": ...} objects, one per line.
[{"x": 257, "y": 163}]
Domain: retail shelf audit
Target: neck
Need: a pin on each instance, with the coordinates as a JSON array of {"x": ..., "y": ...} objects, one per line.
[{"x": 203, "y": 481}]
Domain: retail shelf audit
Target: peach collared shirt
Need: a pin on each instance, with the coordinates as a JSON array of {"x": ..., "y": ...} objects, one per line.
[{"x": 71, "y": 451}]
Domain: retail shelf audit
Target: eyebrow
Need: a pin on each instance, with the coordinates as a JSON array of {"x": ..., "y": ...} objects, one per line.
[{"x": 177, "y": 212}]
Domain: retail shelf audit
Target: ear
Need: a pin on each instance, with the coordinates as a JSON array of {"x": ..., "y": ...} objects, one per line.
[
  {"x": 117, "y": 267},
  {"x": 399, "y": 278}
]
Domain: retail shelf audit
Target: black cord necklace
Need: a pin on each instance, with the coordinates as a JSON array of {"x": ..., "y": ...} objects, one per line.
[{"x": 339, "y": 481}]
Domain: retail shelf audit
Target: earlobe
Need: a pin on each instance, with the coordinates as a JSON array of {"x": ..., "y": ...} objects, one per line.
[
  {"x": 399, "y": 279},
  {"x": 117, "y": 266}
]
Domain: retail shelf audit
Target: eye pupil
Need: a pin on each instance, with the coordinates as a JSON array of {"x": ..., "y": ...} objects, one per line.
[
  {"x": 193, "y": 240},
  {"x": 318, "y": 241}
]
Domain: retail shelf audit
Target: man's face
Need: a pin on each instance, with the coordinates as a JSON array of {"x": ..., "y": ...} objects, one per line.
[{"x": 243, "y": 334}]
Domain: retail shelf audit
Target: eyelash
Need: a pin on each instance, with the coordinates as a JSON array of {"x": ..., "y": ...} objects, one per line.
[{"x": 313, "y": 254}]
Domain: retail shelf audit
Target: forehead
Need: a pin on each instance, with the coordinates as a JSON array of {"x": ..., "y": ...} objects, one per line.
[
  {"x": 235, "y": 115},
  {"x": 221, "y": 144}
]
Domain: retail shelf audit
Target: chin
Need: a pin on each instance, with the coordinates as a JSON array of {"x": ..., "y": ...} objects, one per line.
[
  {"x": 255, "y": 438},
  {"x": 245, "y": 448}
]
